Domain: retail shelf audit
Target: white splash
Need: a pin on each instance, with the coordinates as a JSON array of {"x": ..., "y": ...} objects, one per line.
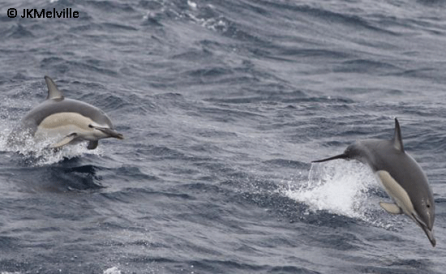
[
  {"x": 112, "y": 270},
  {"x": 38, "y": 153},
  {"x": 338, "y": 187},
  {"x": 191, "y": 4}
]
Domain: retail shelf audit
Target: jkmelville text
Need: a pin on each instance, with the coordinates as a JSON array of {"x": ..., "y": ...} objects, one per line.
[{"x": 44, "y": 13}]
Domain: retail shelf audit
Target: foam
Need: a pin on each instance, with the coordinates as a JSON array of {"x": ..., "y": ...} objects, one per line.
[
  {"x": 339, "y": 187},
  {"x": 112, "y": 270},
  {"x": 38, "y": 153}
]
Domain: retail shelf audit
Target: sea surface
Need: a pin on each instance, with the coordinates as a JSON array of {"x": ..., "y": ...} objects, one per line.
[{"x": 223, "y": 106}]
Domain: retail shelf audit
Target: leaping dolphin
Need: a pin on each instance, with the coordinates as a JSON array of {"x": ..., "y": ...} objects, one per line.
[
  {"x": 74, "y": 121},
  {"x": 402, "y": 178}
]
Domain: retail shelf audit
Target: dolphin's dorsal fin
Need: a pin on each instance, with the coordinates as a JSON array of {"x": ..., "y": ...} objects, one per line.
[
  {"x": 53, "y": 91},
  {"x": 397, "y": 139}
]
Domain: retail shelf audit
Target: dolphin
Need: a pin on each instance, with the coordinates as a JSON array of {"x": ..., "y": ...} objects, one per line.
[
  {"x": 402, "y": 178},
  {"x": 74, "y": 121}
]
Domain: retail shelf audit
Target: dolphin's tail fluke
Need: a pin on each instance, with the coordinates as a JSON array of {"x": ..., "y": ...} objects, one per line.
[{"x": 340, "y": 156}]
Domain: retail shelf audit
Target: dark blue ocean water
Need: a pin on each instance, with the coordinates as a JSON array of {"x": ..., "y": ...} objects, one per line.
[{"x": 223, "y": 105}]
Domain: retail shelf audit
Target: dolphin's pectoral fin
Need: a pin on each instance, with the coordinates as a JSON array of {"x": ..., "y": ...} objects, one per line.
[
  {"x": 391, "y": 208},
  {"x": 53, "y": 91},
  {"x": 92, "y": 144},
  {"x": 65, "y": 140}
]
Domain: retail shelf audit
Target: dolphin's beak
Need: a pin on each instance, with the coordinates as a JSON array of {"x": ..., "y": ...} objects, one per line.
[
  {"x": 110, "y": 132},
  {"x": 113, "y": 133},
  {"x": 429, "y": 232},
  {"x": 430, "y": 235}
]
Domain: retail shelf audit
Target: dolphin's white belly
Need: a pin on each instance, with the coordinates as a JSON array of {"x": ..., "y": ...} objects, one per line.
[
  {"x": 66, "y": 123},
  {"x": 396, "y": 192}
]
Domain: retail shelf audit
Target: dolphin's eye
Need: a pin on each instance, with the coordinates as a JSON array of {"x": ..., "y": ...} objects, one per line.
[{"x": 428, "y": 206}]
